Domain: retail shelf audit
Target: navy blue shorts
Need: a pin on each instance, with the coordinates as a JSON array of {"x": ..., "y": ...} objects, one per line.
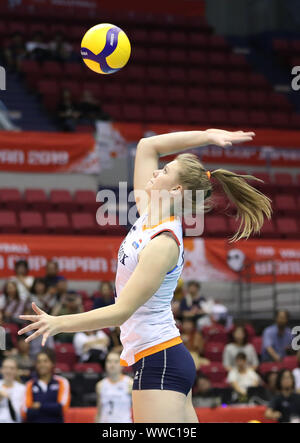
[{"x": 172, "y": 369}]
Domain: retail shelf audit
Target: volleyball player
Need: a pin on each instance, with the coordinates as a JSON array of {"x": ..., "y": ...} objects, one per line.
[
  {"x": 150, "y": 261},
  {"x": 114, "y": 393}
]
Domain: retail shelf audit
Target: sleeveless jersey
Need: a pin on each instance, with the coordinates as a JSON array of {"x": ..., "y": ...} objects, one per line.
[
  {"x": 152, "y": 327},
  {"x": 115, "y": 400}
]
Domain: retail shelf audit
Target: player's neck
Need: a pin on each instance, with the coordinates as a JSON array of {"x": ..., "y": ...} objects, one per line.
[{"x": 156, "y": 214}]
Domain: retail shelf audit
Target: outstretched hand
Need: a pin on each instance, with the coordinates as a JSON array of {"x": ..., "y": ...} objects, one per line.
[
  {"x": 44, "y": 324},
  {"x": 223, "y": 138}
]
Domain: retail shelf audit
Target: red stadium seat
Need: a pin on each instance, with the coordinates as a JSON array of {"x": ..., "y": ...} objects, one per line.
[
  {"x": 286, "y": 204},
  {"x": 157, "y": 55},
  {"x": 214, "y": 351},
  {"x": 114, "y": 110},
  {"x": 13, "y": 27},
  {"x": 196, "y": 115},
  {"x": 279, "y": 119},
  {"x": 8, "y": 222},
  {"x": 175, "y": 114},
  {"x": 88, "y": 305},
  {"x": 216, "y": 77},
  {"x": 287, "y": 227},
  {"x": 215, "y": 333},
  {"x": 113, "y": 91},
  {"x": 237, "y": 62},
  {"x": 62, "y": 367},
  {"x": 217, "y": 59},
  {"x": 259, "y": 118},
  {"x": 268, "y": 229},
  {"x": 51, "y": 69},
  {"x": 65, "y": 353},
  {"x": 62, "y": 200},
  {"x": 36, "y": 199},
  {"x": 237, "y": 98},
  {"x": 215, "y": 372},
  {"x": 218, "y": 97},
  {"x": 155, "y": 94},
  {"x": 258, "y": 99},
  {"x": 84, "y": 224},
  {"x": 198, "y": 40},
  {"x": 258, "y": 81},
  {"x": 177, "y": 38},
  {"x": 133, "y": 93},
  {"x": 11, "y": 198},
  {"x": 158, "y": 37},
  {"x": 73, "y": 86},
  {"x": 154, "y": 114},
  {"x": 86, "y": 201},
  {"x": 216, "y": 226},
  {"x": 136, "y": 72},
  {"x": 217, "y": 116},
  {"x": 57, "y": 223},
  {"x": 31, "y": 222},
  {"x": 132, "y": 112},
  {"x": 32, "y": 71},
  {"x": 290, "y": 362},
  {"x": 176, "y": 95},
  {"x": 12, "y": 328},
  {"x": 176, "y": 75},
  {"x": 218, "y": 42},
  {"x": 139, "y": 36},
  {"x": 198, "y": 96},
  {"x": 92, "y": 368},
  {"x": 283, "y": 178},
  {"x": 257, "y": 343},
  {"x": 178, "y": 56},
  {"x": 238, "y": 118},
  {"x": 197, "y": 58},
  {"x": 266, "y": 367},
  {"x": 139, "y": 55}
]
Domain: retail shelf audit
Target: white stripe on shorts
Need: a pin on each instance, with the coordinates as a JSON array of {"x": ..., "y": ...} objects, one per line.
[
  {"x": 164, "y": 370},
  {"x": 140, "y": 379}
]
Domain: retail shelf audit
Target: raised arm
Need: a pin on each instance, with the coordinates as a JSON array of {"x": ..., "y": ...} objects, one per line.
[
  {"x": 150, "y": 149},
  {"x": 156, "y": 259}
]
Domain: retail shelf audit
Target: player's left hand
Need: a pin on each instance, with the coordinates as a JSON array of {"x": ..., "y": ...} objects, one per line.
[
  {"x": 44, "y": 324},
  {"x": 225, "y": 139}
]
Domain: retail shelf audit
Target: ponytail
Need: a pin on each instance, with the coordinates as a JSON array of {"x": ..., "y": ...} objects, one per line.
[{"x": 252, "y": 205}]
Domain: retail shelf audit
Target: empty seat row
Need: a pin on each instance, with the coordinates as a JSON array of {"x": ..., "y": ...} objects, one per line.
[{"x": 57, "y": 223}]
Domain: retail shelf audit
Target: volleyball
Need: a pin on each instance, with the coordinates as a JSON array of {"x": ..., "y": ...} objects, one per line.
[{"x": 105, "y": 48}]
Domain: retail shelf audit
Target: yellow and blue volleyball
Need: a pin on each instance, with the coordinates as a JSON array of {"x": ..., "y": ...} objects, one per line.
[{"x": 105, "y": 48}]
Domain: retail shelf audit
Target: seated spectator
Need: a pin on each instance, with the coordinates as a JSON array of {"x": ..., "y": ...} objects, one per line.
[
  {"x": 47, "y": 395},
  {"x": 6, "y": 344},
  {"x": 60, "y": 49},
  {"x": 205, "y": 396},
  {"x": 14, "y": 52},
  {"x": 296, "y": 374},
  {"x": 179, "y": 292},
  {"x": 106, "y": 296},
  {"x": 22, "y": 279},
  {"x": 191, "y": 304},
  {"x": 90, "y": 108},
  {"x": 215, "y": 312},
  {"x": 70, "y": 303},
  {"x": 238, "y": 342},
  {"x": 271, "y": 384},
  {"x": 241, "y": 378},
  {"x": 67, "y": 112},
  {"x": 277, "y": 338},
  {"x": 58, "y": 292},
  {"x": 91, "y": 346},
  {"x": 12, "y": 393},
  {"x": 51, "y": 277},
  {"x": 115, "y": 342},
  {"x": 37, "y": 49},
  {"x": 23, "y": 359},
  {"x": 194, "y": 342},
  {"x": 285, "y": 406},
  {"x": 41, "y": 296},
  {"x": 12, "y": 305}
]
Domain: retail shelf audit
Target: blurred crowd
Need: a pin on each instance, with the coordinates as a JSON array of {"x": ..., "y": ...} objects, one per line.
[{"x": 234, "y": 365}]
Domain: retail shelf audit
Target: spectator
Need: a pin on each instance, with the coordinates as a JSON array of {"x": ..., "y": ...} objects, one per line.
[
  {"x": 115, "y": 342},
  {"x": 70, "y": 304},
  {"x": 296, "y": 374},
  {"x": 238, "y": 342},
  {"x": 114, "y": 393},
  {"x": 41, "y": 296},
  {"x": 58, "y": 293},
  {"x": 271, "y": 384},
  {"x": 194, "y": 342},
  {"x": 277, "y": 338},
  {"x": 47, "y": 395},
  {"x": 205, "y": 396},
  {"x": 285, "y": 407},
  {"x": 90, "y": 108},
  {"x": 179, "y": 292},
  {"x": 12, "y": 393},
  {"x": 14, "y": 52},
  {"x": 67, "y": 112},
  {"x": 51, "y": 278},
  {"x": 6, "y": 344},
  {"x": 23, "y": 359},
  {"x": 11, "y": 303},
  {"x": 60, "y": 49},
  {"x": 241, "y": 378},
  {"x": 37, "y": 49},
  {"x": 92, "y": 346},
  {"x": 106, "y": 296},
  {"x": 22, "y": 279},
  {"x": 191, "y": 303}
]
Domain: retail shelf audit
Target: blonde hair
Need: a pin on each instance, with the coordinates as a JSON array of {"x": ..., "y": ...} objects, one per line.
[{"x": 252, "y": 205}]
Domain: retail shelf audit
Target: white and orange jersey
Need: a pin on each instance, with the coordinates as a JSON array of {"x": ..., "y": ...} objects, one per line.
[
  {"x": 115, "y": 400},
  {"x": 152, "y": 327}
]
